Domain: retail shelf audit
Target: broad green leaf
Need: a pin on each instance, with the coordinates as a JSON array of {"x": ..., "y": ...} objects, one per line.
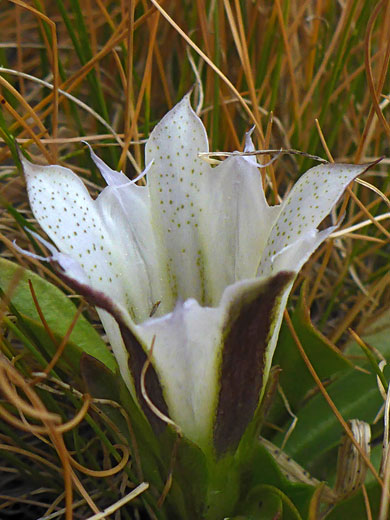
[
  {"x": 326, "y": 359},
  {"x": 261, "y": 471},
  {"x": 59, "y": 312},
  {"x": 318, "y": 431},
  {"x": 267, "y": 502}
]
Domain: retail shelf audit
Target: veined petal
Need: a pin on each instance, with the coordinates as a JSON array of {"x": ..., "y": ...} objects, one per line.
[
  {"x": 252, "y": 320},
  {"x": 198, "y": 236},
  {"x": 82, "y": 229},
  {"x": 185, "y": 354},
  {"x": 235, "y": 224},
  {"x": 297, "y": 253},
  {"x": 210, "y": 361},
  {"x": 174, "y": 181},
  {"x": 120, "y": 352},
  {"x": 293, "y": 256},
  {"x": 68, "y": 265},
  {"x": 212, "y": 223},
  {"x": 308, "y": 203},
  {"x": 65, "y": 211},
  {"x": 129, "y": 350},
  {"x": 126, "y": 213}
]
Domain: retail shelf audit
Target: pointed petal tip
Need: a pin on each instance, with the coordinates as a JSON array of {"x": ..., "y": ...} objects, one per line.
[
  {"x": 187, "y": 97},
  {"x": 249, "y": 133},
  {"x": 373, "y": 163},
  {"x": 249, "y": 146},
  {"x": 112, "y": 177},
  {"x": 23, "y": 159},
  {"x": 88, "y": 146},
  {"x": 360, "y": 168},
  {"x": 186, "y": 102},
  {"x": 29, "y": 168}
]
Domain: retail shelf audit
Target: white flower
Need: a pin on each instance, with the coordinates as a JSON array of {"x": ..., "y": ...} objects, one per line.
[{"x": 201, "y": 247}]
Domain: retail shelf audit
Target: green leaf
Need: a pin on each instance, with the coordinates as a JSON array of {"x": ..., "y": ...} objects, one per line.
[
  {"x": 267, "y": 502},
  {"x": 262, "y": 471},
  {"x": 100, "y": 383},
  {"x": 263, "y": 503},
  {"x": 317, "y": 431},
  {"x": 59, "y": 312},
  {"x": 326, "y": 359}
]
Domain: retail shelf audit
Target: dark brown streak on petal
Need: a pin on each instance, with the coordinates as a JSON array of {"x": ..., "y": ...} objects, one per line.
[
  {"x": 243, "y": 357},
  {"x": 137, "y": 356},
  {"x": 137, "y": 360}
]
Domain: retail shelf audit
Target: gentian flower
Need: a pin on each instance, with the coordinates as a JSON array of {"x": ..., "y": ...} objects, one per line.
[{"x": 196, "y": 263}]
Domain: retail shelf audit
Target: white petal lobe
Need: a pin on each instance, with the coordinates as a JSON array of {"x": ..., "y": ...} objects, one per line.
[
  {"x": 308, "y": 203},
  {"x": 175, "y": 182},
  {"x": 66, "y": 212}
]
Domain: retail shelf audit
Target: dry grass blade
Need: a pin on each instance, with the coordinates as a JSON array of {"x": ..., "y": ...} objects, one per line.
[
  {"x": 52, "y": 50},
  {"x": 141, "y": 488},
  {"x": 208, "y": 61}
]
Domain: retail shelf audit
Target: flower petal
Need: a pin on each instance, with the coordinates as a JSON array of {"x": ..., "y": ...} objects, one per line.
[
  {"x": 112, "y": 177},
  {"x": 297, "y": 253},
  {"x": 126, "y": 213},
  {"x": 235, "y": 224},
  {"x": 208, "y": 365},
  {"x": 185, "y": 356},
  {"x": 294, "y": 256},
  {"x": 254, "y": 310},
  {"x": 118, "y": 347},
  {"x": 84, "y": 229},
  {"x": 65, "y": 211},
  {"x": 211, "y": 222},
  {"x": 174, "y": 182},
  {"x": 308, "y": 203},
  {"x": 210, "y": 361}
]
